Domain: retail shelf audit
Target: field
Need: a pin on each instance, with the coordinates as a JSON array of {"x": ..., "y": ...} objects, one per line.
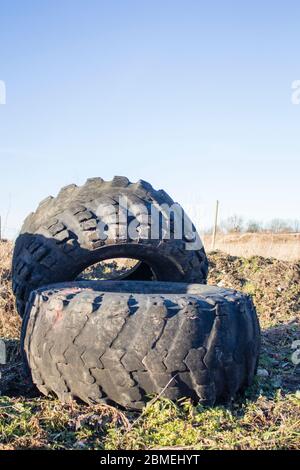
[
  {"x": 284, "y": 246},
  {"x": 268, "y": 417}
]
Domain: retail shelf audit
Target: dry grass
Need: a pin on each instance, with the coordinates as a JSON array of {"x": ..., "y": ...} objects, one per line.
[
  {"x": 9, "y": 319},
  {"x": 267, "y": 418},
  {"x": 285, "y": 246}
]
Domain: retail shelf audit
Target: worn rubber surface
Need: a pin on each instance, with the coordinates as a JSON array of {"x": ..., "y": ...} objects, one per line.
[
  {"x": 119, "y": 341},
  {"x": 63, "y": 237}
]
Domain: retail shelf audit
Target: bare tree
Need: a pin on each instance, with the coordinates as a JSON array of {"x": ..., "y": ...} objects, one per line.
[
  {"x": 233, "y": 224},
  {"x": 296, "y": 225},
  {"x": 280, "y": 226}
]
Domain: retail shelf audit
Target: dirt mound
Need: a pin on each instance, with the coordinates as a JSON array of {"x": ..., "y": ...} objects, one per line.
[
  {"x": 275, "y": 288},
  {"x": 273, "y": 284},
  {"x": 9, "y": 319}
]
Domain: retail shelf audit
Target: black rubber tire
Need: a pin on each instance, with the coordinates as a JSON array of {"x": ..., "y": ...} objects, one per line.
[
  {"x": 62, "y": 238},
  {"x": 119, "y": 341}
]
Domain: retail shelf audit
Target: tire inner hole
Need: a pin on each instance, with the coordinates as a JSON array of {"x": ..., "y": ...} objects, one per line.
[{"x": 118, "y": 268}]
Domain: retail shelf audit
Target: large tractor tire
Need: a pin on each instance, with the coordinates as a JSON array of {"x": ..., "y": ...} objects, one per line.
[
  {"x": 69, "y": 233},
  {"x": 121, "y": 341}
]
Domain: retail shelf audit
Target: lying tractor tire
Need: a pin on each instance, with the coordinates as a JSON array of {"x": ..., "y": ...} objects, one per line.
[
  {"x": 69, "y": 233},
  {"x": 121, "y": 341}
]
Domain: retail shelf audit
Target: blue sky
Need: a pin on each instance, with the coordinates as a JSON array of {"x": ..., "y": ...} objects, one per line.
[{"x": 193, "y": 96}]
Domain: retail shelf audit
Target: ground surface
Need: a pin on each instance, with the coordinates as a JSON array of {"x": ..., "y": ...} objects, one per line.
[{"x": 268, "y": 417}]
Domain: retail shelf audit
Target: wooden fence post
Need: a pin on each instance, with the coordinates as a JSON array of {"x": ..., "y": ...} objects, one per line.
[{"x": 215, "y": 226}]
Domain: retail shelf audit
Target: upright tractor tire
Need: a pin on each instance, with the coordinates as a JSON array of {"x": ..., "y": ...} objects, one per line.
[
  {"x": 73, "y": 231},
  {"x": 121, "y": 341}
]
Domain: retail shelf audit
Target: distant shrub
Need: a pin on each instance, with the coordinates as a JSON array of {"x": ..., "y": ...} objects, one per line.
[{"x": 253, "y": 226}]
